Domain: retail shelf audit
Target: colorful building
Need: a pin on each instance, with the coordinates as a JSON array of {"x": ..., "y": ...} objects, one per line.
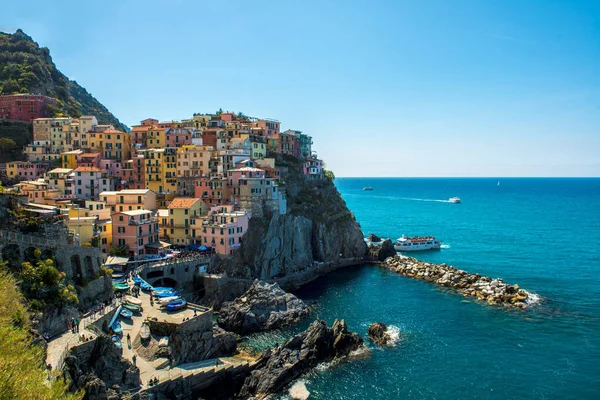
[
  {"x": 43, "y": 128},
  {"x": 138, "y": 230},
  {"x": 178, "y": 137},
  {"x": 25, "y": 170},
  {"x": 182, "y": 216},
  {"x": 57, "y": 178},
  {"x": 212, "y": 190},
  {"x": 161, "y": 169},
  {"x": 26, "y": 107},
  {"x": 222, "y": 230},
  {"x": 130, "y": 199},
  {"x": 89, "y": 182},
  {"x": 69, "y": 158},
  {"x": 313, "y": 168}
]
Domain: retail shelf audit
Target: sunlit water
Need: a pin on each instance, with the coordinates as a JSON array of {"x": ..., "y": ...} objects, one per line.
[{"x": 543, "y": 234}]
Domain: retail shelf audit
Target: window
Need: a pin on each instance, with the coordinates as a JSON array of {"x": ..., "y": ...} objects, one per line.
[{"x": 120, "y": 218}]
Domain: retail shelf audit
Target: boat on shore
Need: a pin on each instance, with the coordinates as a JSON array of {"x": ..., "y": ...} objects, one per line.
[
  {"x": 120, "y": 286},
  {"x": 417, "y": 243},
  {"x": 455, "y": 200},
  {"x": 145, "y": 331},
  {"x": 125, "y": 313},
  {"x": 368, "y": 188},
  {"x": 176, "y": 305}
]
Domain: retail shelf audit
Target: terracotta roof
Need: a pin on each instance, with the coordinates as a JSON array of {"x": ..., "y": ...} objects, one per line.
[
  {"x": 182, "y": 202},
  {"x": 89, "y": 155},
  {"x": 141, "y": 128},
  {"x": 113, "y": 131},
  {"x": 88, "y": 169}
]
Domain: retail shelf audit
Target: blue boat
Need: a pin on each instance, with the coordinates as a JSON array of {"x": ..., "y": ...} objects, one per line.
[
  {"x": 116, "y": 327},
  {"x": 137, "y": 280},
  {"x": 161, "y": 289},
  {"x": 176, "y": 305},
  {"x": 146, "y": 287},
  {"x": 126, "y": 313},
  {"x": 170, "y": 293}
]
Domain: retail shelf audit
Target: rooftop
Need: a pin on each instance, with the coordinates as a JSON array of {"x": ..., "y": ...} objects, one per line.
[
  {"x": 133, "y": 191},
  {"x": 60, "y": 171},
  {"x": 88, "y": 169},
  {"x": 183, "y": 202}
]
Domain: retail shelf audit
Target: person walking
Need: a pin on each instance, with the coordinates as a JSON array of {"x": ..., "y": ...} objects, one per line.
[{"x": 133, "y": 358}]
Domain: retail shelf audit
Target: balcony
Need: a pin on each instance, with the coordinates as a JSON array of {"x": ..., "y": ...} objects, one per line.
[{"x": 143, "y": 221}]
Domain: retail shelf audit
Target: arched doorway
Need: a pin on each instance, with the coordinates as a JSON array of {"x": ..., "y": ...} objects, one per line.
[
  {"x": 89, "y": 266},
  {"x": 76, "y": 267},
  {"x": 166, "y": 282}
]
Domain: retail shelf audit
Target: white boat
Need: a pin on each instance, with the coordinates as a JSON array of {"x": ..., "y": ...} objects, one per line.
[
  {"x": 417, "y": 243},
  {"x": 455, "y": 200}
]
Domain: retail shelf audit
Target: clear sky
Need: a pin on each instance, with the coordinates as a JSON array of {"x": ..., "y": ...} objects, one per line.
[{"x": 386, "y": 88}]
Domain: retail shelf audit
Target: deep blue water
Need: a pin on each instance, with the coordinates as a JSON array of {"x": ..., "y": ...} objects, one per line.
[{"x": 543, "y": 234}]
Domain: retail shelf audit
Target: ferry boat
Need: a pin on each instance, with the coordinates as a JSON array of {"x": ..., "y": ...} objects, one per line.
[
  {"x": 368, "y": 188},
  {"x": 417, "y": 243},
  {"x": 455, "y": 200}
]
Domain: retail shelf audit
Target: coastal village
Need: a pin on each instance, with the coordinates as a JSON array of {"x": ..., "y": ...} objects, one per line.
[{"x": 163, "y": 185}]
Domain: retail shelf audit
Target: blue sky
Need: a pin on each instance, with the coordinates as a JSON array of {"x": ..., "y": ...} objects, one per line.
[{"x": 386, "y": 88}]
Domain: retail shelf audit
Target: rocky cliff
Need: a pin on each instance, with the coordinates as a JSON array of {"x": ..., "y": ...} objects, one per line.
[
  {"x": 263, "y": 307},
  {"x": 99, "y": 368},
  {"x": 318, "y": 227},
  {"x": 277, "y": 368}
]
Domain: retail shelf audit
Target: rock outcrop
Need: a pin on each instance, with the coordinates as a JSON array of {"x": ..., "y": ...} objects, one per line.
[
  {"x": 380, "y": 253},
  {"x": 373, "y": 238},
  {"x": 492, "y": 291},
  {"x": 277, "y": 367},
  {"x": 378, "y": 333},
  {"x": 318, "y": 227},
  {"x": 264, "y": 306},
  {"x": 99, "y": 368}
]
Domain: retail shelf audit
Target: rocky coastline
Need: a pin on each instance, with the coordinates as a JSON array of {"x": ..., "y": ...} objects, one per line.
[
  {"x": 263, "y": 307},
  {"x": 278, "y": 367},
  {"x": 378, "y": 333},
  {"x": 493, "y": 291}
]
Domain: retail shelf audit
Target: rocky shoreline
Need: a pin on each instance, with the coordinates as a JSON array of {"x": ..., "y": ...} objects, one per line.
[{"x": 492, "y": 291}]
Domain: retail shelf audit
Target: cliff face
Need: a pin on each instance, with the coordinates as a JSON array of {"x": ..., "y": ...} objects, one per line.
[
  {"x": 318, "y": 227},
  {"x": 28, "y": 68}
]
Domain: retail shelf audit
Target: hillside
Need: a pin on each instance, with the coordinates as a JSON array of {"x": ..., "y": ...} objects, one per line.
[{"x": 27, "y": 68}]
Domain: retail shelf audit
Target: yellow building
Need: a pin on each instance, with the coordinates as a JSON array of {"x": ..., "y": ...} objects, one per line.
[
  {"x": 69, "y": 158},
  {"x": 156, "y": 138},
  {"x": 182, "y": 217},
  {"x": 201, "y": 120},
  {"x": 116, "y": 145},
  {"x": 161, "y": 170},
  {"x": 192, "y": 161},
  {"x": 57, "y": 178},
  {"x": 258, "y": 147}
]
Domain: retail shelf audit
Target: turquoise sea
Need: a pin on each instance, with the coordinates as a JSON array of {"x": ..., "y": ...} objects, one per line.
[{"x": 543, "y": 234}]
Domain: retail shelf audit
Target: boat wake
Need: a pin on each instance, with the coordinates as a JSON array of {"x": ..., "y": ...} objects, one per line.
[
  {"x": 403, "y": 198},
  {"x": 445, "y": 246}
]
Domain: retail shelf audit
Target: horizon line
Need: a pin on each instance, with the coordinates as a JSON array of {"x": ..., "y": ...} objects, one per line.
[{"x": 468, "y": 177}]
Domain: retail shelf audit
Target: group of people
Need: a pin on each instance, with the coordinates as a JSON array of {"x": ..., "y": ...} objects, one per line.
[
  {"x": 153, "y": 382},
  {"x": 74, "y": 325}
]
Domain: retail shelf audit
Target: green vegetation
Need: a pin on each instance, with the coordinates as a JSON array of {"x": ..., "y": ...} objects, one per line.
[
  {"x": 329, "y": 174},
  {"x": 119, "y": 251},
  {"x": 22, "y": 367},
  {"x": 19, "y": 133},
  {"x": 28, "y": 68},
  {"x": 45, "y": 285}
]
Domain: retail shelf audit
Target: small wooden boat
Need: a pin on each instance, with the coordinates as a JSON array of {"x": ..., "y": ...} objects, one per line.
[
  {"x": 145, "y": 331},
  {"x": 166, "y": 300},
  {"x": 116, "y": 327},
  {"x": 125, "y": 313},
  {"x": 162, "y": 295},
  {"x": 176, "y": 305},
  {"x": 133, "y": 300},
  {"x": 120, "y": 286},
  {"x": 161, "y": 289},
  {"x": 132, "y": 307}
]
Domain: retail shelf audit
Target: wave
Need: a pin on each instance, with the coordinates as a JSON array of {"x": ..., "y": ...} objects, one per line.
[
  {"x": 394, "y": 333},
  {"x": 532, "y": 299},
  {"x": 445, "y": 246},
  {"x": 401, "y": 198},
  {"x": 299, "y": 390}
]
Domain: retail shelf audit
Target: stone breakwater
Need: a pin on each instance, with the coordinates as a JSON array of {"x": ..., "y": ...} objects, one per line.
[{"x": 492, "y": 291}]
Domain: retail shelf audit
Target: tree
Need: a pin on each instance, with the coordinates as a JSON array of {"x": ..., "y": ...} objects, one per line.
[
  {"x": 329, "y": 175},
  {"x": 118, "y": 251},
  {"x": 7, "y": 145},
  {"x": 220, "y": 111}
]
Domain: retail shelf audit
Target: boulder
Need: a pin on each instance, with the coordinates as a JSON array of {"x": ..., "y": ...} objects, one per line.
[
  {"x": 276, "y": 368},
  {"x": 373, "y": 238},
  {"x": 264, "y": 306},
  {"x": 378, "y": 333}
]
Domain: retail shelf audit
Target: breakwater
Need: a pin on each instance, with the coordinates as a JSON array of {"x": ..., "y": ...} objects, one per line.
[{"x": 491, "y": 290}]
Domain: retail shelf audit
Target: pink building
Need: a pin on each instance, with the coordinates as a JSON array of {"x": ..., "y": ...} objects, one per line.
[
  {"x": 25, "y": 170},
  {"x": 137, "y": 230},
  {"x": 112, "y": 167},
  {"x": 313, "y": 168},
  {"x": 25, "y": 106},
  {"x": 234, "y": 175},
  {"x": 222, "y": 230},
  {"x": 89, "y": 160},
  {"x": 178, "y": 137}
]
